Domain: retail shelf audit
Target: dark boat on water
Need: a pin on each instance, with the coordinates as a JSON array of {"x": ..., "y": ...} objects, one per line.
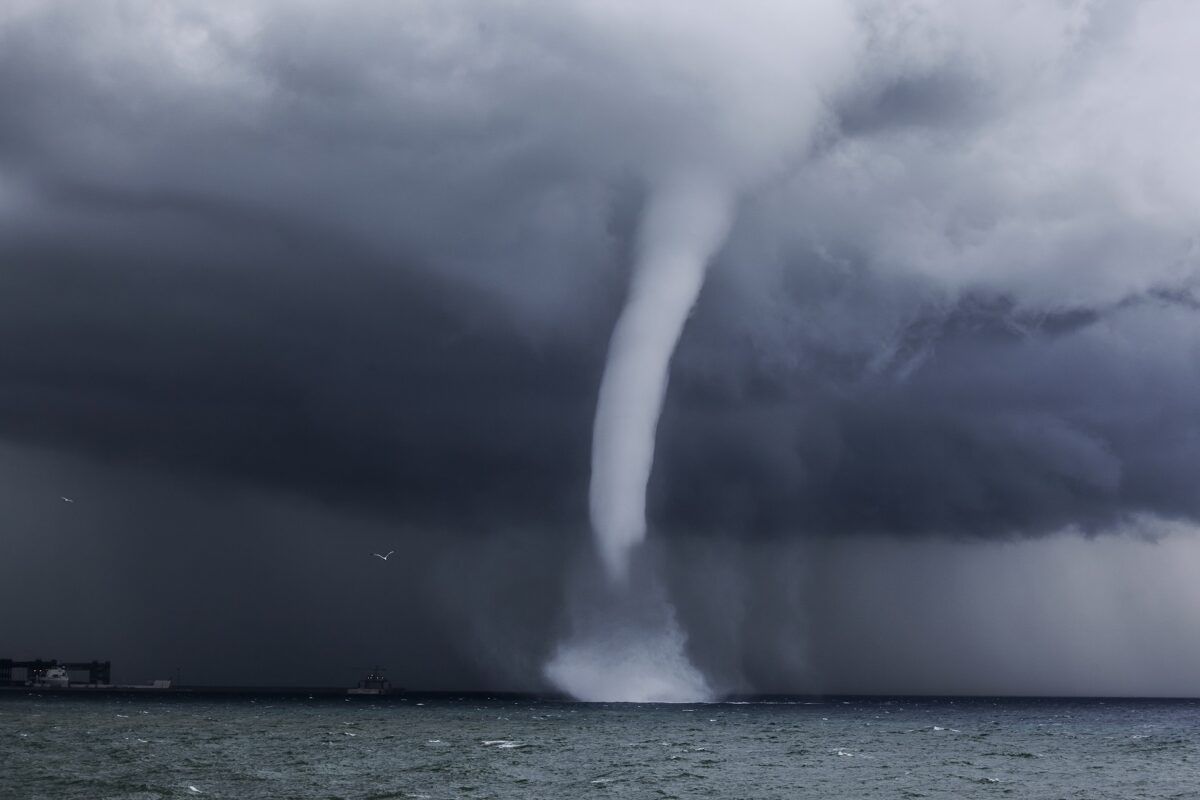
[{"x": 374, "y": 683}]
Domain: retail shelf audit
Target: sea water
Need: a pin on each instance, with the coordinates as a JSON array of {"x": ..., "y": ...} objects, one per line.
[{"x": 58, "y": 747}]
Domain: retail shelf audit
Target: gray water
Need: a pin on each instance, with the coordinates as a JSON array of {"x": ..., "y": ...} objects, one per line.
[{"x": 60, "y": 747}]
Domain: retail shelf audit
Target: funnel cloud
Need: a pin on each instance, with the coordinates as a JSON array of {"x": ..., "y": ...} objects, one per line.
[{"x": 683, "y": 225}]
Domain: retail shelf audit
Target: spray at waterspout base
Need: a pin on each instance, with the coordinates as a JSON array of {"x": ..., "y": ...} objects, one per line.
[
  {"x": 627, "y": 666},
  {"x": 626, "y": 646}
]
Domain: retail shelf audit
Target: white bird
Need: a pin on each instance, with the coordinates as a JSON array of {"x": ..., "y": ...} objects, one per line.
[
  {"x": 67, "y": 500},
  {"x": 385, "y": 558}
]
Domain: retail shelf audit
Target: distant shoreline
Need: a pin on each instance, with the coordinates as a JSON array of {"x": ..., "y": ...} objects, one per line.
[{"x": 325, "y": 692}]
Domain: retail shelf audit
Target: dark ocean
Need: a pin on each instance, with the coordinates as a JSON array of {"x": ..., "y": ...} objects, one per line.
[{"x": 59, "y": 747}]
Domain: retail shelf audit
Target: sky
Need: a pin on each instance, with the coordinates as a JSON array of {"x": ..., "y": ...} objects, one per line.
[{"x": 286, "y": 284}]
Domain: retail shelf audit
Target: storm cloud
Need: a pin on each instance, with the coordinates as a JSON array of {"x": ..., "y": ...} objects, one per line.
[{"x": 360, "y": 263}]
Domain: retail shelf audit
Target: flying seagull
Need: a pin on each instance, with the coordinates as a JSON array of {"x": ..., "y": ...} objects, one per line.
[
  {"x": 385, "y": 558},
  {"x": 67, "y": 500}
]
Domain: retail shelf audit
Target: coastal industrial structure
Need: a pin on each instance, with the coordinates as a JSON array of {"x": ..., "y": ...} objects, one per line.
[{"x": 54, "y": 673}]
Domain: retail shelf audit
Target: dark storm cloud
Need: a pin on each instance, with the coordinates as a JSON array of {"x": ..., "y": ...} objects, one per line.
[
  {"x": 295, "y": 364},
  {"x": 370, "y": 256},
  {"x": 984, "y": 422},
  {"x": 272, "y": 260}
]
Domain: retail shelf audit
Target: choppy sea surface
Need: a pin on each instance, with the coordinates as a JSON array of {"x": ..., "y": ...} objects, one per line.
[{"x": 62, "y": 746}]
